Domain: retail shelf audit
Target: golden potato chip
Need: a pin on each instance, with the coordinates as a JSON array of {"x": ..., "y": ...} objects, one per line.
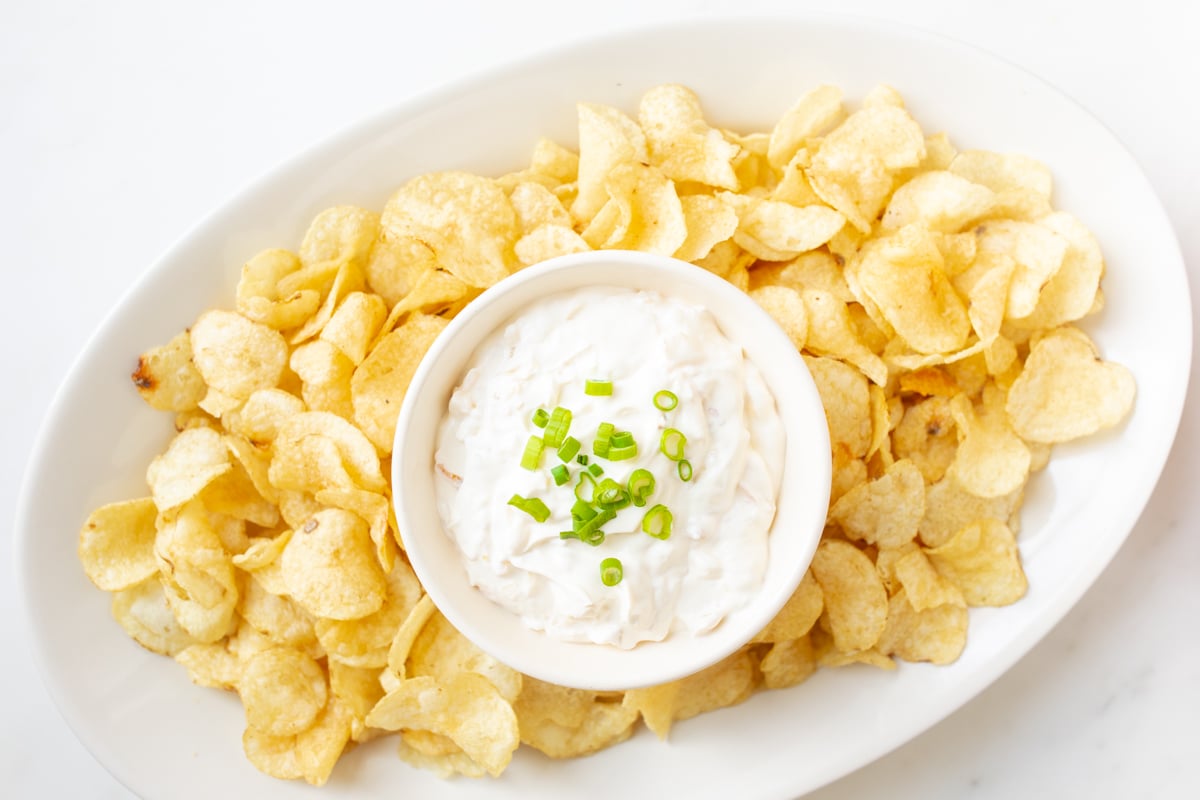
[
  {"x": 1038, "y": 253},
  {"x": 358, "y": 690},
  {"x": 882, "y": 424},
  {"x": 467, "y": 709},
  {"x": 848, "y": 472},
  {"x": 235, "y": 356},
  {"x": 325, "y": 373},
  {"x": 396, "y": 264},
  {"x": 277, "y": 617},
  {"x": 364, "y": 642},
  {"x": 885, "y": 511},
  {"x": 855, "y": 600},
  {"x": 211, "y": 665},
  {"x": 787, "y": 308},
  {"x": 438, "y": 754},
  {"x": 814, "y": 114},
  {"x": 166, "y": 377},
  {"x": 258, "y": 420},
  {"x": 143, "y": 612},
  {"x": 535, "y": 206},
  {"x": 282, "y": 690},
  {"x": 466, "y": 220},
  {"x": 330, "y": 568},
  {"x": 434, "y": 292},
  {"x": 1066, "y": 391},
  {"x": 310, "y": 754},
  {"x": 116, "y": 544},
  {"x": 373, "y": 508},
  {"x": 923, "y": 585},
  {"x": 936, "y": 634},
  {"x": 991, "y": 460},
  {"x": 938, "y": 201},
  {"x": 798, "y": 615},
  {"x": 986, "y": 288},
  {"x": 831, "y": 332},
  {"x": 441, "y": 652},
  {"x": 726, "y": 683},
  {"x": 1071, "y": 292},
  {"x": 709, "y": 220},
  {"x": 340, "y": 234},
  {"x": 902, "y": 275},
  {"x": 1003, "y": 172},
  {"x": 927, "y": 436},
  {"x": 549, "y": 241},
  {"x": 350, "y": 278},
  {"x": 194, "y": 459},
  {"x": 197, "y": 574},
  {"x": 777, "y": 231},
  {"x": 565, "y": 723},
  {"x": 263, "y": 551},
  {"x": 354, "y": 454},
  {"x": 680, "y": 143},
  {"x": 847, "y": 403},
  {"x": 793, "y": 186},
  {"x": 554, "y": 161},
  {"x": 813, "y": 270},
  {"x": 379, "y": 383},
  {"x": 406, "y": 635},
  {"x": 827, "y": 653},
  {"x": 886, "y": 560},
  {"x": 607, "y": 140},
  {"x": 788, "y": 663},
  {"x": 355, "y": 324},
  {"x": 656, "y": 704},
  {"x": 983, "y": 562},
  {"x": 259, "y": 298},
  {"x": 949, "y": 508},
  {"x": 645, "y": 211}
]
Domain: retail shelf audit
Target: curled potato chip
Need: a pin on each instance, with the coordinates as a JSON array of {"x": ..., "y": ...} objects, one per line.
[
  {"x": 143, "y": 612},
  {"x": 814, "y": 270},
  {"x": 646, "y": 212},
  {"x": 259, "y": 418},
  {"x": 1003, "y": 172},
  {"x": 607, "y": 139},
  {"x": 565, "y": 723},
  {"x": 885, "y": 511},
  {"x": 1037, "y": 252},
  {"x": 354, "y": 324},
  {"x": 467, "y": 709},
  {"x": 396, "y": 264},
  {"x": 197, "y": 574},
  {"x": 831, "y": 332},
  {"x": 310, "y": 755},
  {"x": 330, "y": 568},
  {"x": 847, "y": 403},
  {"x": 926, "y": 435},
  {"x": 282, "y": 690},
  {"x": 340, "y": 235},
  {"x": 549, "y": 241},
  {"x": 535, "y": 206},
  {"x": 777, "y": 231},
  {"x": 194, "y": 459},
  {"x": 788, "y": 663},
  {"x": 814, "y": 114},
  {"x": 277, "y": 617},
  {"x": 983, "y": 562},
  {"x": 358, "y": 690},
  {"x": 235, "y": 356},
  {"x": 680, "y": 143},
  {"x": 353, "y": 455},
  {"x": 936, "y": 634},
  {"x": 235, "y": 495},
  {"x": 364, "y": 642},
  {"x": 787, "y": 308},
  {"x": 438, "y": 754},
  {"x": 991, "y": 459},
  {"x": 259, "y": 298},
  {"x": 406, "y": 635},
  {"x": 922, "y": 583},
  {"x": 166, "y": 377},
  {"x": 381, "y": 380},
  {"x": 1072, "y": 291},
  {"x": 709, "y": 220},
  {"x": 1066, "y": 391},
  {"x": 441, "y": 652},
  {"x": 949, "y": 508},
  {"x": 855, "y": 600},
  {"x": 116, "y": 544}
]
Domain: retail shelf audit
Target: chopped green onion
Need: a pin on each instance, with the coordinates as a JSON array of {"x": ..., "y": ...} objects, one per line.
[
  {"x": 533, "y": 453},
  {"x": 557, "y": 427},
  {"x": 610, "y": 494},
  {"x": 540, "y": 418},
  {"x": 581, "y": 460},
  {"x": 622, "y": 453},
  {"x": 560, "y": 474},
  {"x": 657, "y": 522},
  {"x": 611, "y": 571},
  {"x": 622, "y": 439},
  {"x": 598, "y": 388},
  {"x": 589, "y": 531},
  {"x": 584, "y": 477},
  {"x": 641, "y": 486},
  {"x": 581, "y": 512},
  {"x": 603, "y": 435},
  {"x": 665, "y": 400},
  {"x": 569, "y": 448},
  {"x": 685, "y": 470},
  {"x": 672, "y": 444},
  {"x": 593, "y": 537},
  {"x": 532, "y": 506},
  {"x": 596, "y": 470}
]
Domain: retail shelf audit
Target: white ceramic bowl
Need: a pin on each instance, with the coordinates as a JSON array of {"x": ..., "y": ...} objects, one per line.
[
  {"x": 165, "y": 738},
  {"x": 799, "y": 518}
]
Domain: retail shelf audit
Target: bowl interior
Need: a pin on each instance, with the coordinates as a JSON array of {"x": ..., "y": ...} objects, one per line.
[{"x": 799, "y": 518}]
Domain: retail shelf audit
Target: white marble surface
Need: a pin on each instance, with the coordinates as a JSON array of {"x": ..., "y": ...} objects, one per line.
[{"x": 122, "y": 123}]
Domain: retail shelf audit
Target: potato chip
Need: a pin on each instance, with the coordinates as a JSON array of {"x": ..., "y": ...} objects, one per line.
[
  {"x": 535, "y": 206},
  {"x": 116, "y": 544},
  {"x": 814, "y": 114},
  {"x": 937, "y": 634},
  {"x": 680, "y": 143},
  {"x": 847, "y": 403},
  {"x": 373, "y": 508},
  {"x": 1071, "y": 292},
  {"x": 949, "y": 508},
  {"x": 983, "y": 562},
  {"x": 438, "y": 754},
  {"x": 467, "y": 709},
  {"x": 143, "y": 612},
  {"x": 330, "y": 568},
  {"x": 467, "y": 221},
  {"x": 886, "y": 560},
  {"x": 709, "y": 220},
  {"x": 1066, "y": 391},
  {"x": 991, "y": 460},
  {"x": 197, "y": 574},
  {"x": 885, "y": 511},
  {"x": 354, "y": 324},
  {"x": 364, "y": 642},
  {"x": 1003, "y": 172},
  {"x": 167, "y": 378},
  {"x": 788, "y": 663},
  {"x": 1038, "y": 253},
  {"x": 354, "y": 457},
  {"x": 813, "y": 270},
  {"x": 938, "y": 201},
  {"x": 379, "y": 383},
  {"x": 277, "y": 617},
  {"x": 441, "y": 652},
  {"x": 827, "y": 653},
  {"x": 831, "y": 332},
  {"x": 607, "y": 139},
  {"x": 648, "y": 213},
  {"x": 787, "y": 308},
  {"x": 396, "y": 264},
  {"x": 211, "y": 665},
  {"x": 358, "y": 690},
  {"x": 565, "y": 723},
  {"x": 406, "y": 635},
  {"x": 194, "y": 459},
  {"x": 282, "y": 690},
  {"x": 793, "y": 186},
  {"x": 777, "y": 231},
  {"x": 726, "y": 683},
  {"x": 310, "y": 754},
  {"x": 923, "y": 585},
  {"x": 340, "y": 234},
  {"x": 549, "y": 241},
  {"x": 258, "y": 420},
  {"x": 259, "y": 298},
  {"x": 235, "y": 356},
  {"x": 855, "y": 600},
  {"x": 798, "y": 615}
]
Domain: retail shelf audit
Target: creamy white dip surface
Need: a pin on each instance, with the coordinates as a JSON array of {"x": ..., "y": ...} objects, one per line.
[{"x": 715, "y": 559}]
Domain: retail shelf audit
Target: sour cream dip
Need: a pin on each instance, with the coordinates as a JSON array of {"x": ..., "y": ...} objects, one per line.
[{"x": 642, "y": 342}]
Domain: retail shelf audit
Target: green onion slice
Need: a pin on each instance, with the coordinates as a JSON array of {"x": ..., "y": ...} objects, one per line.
[
  {"x": 589, "y": 531},
  {"x": 685, "y": 470},
  {"x": 596, "y": 470},
  {"x": 589, "y": 491},
  {"x": 541, "y": 417},
  {"x": 611, "y": 571},
  {"x": 581, "y": 460},
  {"x": 622, "y": 453},
  {"x": 641, "y": 486},
  {"x": 568, "y": 449},
  {"x": 603, "y": 435},
  {"x": 598, "y": 388},
  {"x": 672, "y": 444},
  {"x": 610, "y": 494},
  {"x": 560, "y": 474},
  {"x": 557, "y": 427},
  {"x": 533, "y": 453},
  {"x": 657, "y": 522},
  {"x": 622, "y": 439},
  {"x": 581, "y": 512},
  {"x": 665, "y": 400},
  {"x": 532, "y": 506}
]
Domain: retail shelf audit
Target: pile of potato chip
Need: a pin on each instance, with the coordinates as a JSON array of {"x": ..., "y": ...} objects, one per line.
[{"x": 931, "y": 291}]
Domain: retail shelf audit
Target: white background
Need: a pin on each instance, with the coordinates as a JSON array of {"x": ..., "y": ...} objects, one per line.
[{"x": 122, "y": 123}]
